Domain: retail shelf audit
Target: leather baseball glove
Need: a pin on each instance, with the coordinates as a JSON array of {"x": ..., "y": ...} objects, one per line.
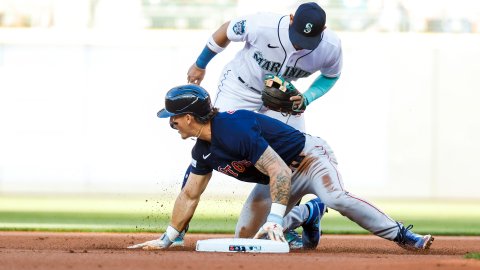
[{"x": 277, "y": 93}]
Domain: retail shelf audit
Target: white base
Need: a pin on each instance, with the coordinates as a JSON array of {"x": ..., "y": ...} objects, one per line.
[{"x": 242, "y": 245}]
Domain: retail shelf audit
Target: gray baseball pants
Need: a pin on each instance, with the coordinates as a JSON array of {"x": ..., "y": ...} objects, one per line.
[{"x": 317, "y": 174}]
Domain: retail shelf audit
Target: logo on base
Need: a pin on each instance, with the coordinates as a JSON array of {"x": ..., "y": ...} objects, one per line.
[
  {"x": 245, "y": 248},
  {"x": 255, "y": 248},
  {"x": 237, "y": 248}
]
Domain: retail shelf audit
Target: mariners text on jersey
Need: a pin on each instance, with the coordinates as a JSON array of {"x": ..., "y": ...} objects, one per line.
[
  {"x": 268, "y": 50},
  {"x": 274, "y": 67}
]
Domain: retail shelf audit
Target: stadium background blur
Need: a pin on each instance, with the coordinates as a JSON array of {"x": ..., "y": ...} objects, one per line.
[{"x": 81, "y": 82}]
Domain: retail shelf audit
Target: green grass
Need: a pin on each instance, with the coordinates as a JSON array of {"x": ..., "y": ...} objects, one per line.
[
  {"x": 475, "y": 256},
  {"x": 212, "y": 215}
]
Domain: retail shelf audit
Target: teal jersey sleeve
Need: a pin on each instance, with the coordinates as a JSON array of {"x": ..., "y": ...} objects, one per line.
[{"x": 319, "y": 87}]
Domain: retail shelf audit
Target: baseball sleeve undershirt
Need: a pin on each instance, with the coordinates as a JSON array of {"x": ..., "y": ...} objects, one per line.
[{"x": 319, "y": 87}]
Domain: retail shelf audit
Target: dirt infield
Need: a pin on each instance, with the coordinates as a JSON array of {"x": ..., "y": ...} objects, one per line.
[{"x": 42, "y": 250}]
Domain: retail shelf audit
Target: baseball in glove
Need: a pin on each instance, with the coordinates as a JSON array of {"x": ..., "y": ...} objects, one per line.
[{"x": 277, "y": 93}]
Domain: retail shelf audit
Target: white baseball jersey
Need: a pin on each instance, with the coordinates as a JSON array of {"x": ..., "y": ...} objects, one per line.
[{"x": 268, "y": 50}]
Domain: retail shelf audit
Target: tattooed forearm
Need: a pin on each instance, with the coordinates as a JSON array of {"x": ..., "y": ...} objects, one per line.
[
  {"x": 280, "y": 187},
  {"x": 271, "y": 164},
  {"x": 268, "y": 159}
]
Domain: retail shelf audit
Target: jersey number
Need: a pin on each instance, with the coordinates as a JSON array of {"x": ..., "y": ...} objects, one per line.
[{"x": 238, "y": 165}]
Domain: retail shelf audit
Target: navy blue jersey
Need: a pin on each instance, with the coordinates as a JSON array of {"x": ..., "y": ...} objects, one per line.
[{"x": 239, "y": 138}]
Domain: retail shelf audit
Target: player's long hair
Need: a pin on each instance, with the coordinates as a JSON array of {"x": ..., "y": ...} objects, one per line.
[{"x": 208, "y": 118}]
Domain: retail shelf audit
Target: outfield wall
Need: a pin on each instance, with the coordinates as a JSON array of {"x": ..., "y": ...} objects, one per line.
[{"x": 77, "y": 113}]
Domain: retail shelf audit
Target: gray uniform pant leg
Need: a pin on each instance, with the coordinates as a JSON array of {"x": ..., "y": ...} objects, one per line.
[
  {"x": 320, "y": 170},
  {"x": 317, "y": 174}
]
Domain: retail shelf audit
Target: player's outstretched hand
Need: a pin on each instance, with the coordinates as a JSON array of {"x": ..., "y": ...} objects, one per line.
[
  {"x": 195, "y": 74},
  {"x": 154, "y": 244},
  {"x": 273, "y": 230}
]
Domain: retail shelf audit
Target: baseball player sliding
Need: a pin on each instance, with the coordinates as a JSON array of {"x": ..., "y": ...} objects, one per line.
[
  {"x": 286, "y": 163},
  {"x": 291, "y": 47}
]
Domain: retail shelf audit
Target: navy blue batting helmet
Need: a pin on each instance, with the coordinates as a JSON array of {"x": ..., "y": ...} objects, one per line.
[{"x": 190, "y": 98}]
